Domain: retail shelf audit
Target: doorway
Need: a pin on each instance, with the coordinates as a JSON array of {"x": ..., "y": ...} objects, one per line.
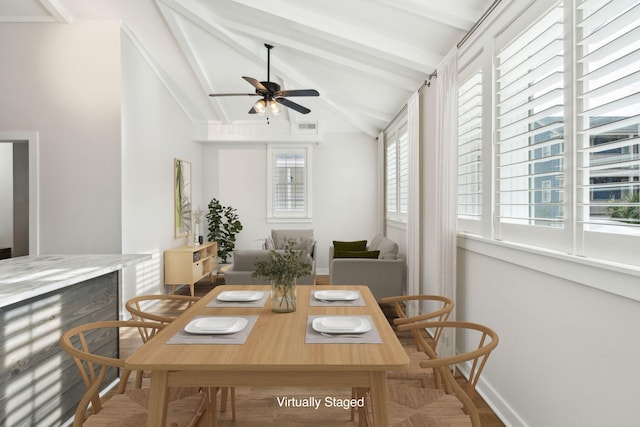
[{"x": 18, "y": 194}]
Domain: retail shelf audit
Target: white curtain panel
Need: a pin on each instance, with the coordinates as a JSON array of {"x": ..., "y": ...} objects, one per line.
[
  {"x": 446, "y": 173},
  {"x": 413, "y": 214}
]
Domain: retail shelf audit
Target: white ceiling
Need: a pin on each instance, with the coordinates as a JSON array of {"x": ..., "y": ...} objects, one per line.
[{"x": 365, "y": 57}]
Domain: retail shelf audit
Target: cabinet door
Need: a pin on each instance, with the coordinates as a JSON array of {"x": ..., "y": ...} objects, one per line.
[{"x": 197, "y": 271}]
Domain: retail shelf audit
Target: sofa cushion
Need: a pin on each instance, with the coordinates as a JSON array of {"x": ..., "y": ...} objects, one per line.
[
  {"x": 244, "y": 260},
  {"x": 388, "y": 248},
  {"x": 268, "y": 243},
  {"x": 302, "y": 239},
  {"x": 357, "y": 254},
  {"x": 357, "y": 245}
]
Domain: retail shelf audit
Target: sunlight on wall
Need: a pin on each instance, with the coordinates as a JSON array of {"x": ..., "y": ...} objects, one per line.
[{"x": 148, "y": 274}]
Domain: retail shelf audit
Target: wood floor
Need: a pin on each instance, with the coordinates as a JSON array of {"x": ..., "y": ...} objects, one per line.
[{"x": 260, "y": 405}]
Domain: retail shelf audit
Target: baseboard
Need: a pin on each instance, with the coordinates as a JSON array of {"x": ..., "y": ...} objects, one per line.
[{"x": 494, "y": 400}]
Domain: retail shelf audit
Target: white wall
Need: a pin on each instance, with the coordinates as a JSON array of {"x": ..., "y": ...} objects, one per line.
[
  {"x": 63, "y": 81},
  {"x": 6, "y": 195},
  {"x": 567, "y": 351},
  {"x": 154, "y": 132},
  {"x": 344, "y": 190}
]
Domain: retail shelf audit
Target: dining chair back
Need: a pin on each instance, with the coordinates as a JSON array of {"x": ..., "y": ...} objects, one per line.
[
  {"x": 164, "y": 309},
  {"x": 481, "y": 341},
  {"x": 159, "y": 308},
  {"x": 123, "y": 407},
  {"x": 441, "y": 309}
]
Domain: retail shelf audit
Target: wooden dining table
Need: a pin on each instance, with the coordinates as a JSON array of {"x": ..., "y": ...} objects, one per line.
[{"x": 274, "y": 353}]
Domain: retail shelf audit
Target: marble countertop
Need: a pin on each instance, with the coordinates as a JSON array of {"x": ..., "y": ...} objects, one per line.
[{"x": 26, "y": 277}]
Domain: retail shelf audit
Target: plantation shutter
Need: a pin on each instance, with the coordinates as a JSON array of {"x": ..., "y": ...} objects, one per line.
[
  {"x": 403, "y": 173},
  {"x": 608, "y": 54},
  {"x": 530, "y": 131},
  {"x": 470, "y": 148},
  {"x": 392, "y": 177},
  {"x": 289, "y": 187}
]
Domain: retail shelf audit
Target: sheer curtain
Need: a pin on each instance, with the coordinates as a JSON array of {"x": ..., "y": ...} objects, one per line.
[
  {"x": 413, "y": 211},
  {"x": 446, "y": 175}
]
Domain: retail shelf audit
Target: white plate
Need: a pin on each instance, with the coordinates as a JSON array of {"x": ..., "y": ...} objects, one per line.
[
  {"x": 341, "y": 324},
  {"x": 216, "y": 325},
  {"x": 335, "y": 295},
  {"x": 240, "y": 296}
]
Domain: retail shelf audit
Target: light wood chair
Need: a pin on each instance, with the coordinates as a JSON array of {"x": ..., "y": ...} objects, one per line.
[
  {"x": 442, "y": 309},
  {"x": 126, "y": 407},
  {"x": 405, "y": 396},
  {"x": 164, "y": 309}
]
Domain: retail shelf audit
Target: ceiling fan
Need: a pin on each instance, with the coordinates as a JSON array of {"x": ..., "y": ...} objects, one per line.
[{"x": 271, "y": 94}]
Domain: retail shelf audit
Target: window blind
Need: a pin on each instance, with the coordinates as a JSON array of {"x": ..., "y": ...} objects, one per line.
[
  {"x": 608, "y": 53},
  {"x": 289, "y": 188},
  {"x": 530, "y": 125},
  {"x": 470, "y": 148},
  {"x": 392, "y": 178},
  {"x": 403, "y": 173}
]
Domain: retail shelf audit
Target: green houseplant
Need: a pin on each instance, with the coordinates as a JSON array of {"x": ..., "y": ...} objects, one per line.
[
  {"x": 629, "y": 212},
  {"x": 224, "y": 225},
  {"x": 283, "y": 268}
]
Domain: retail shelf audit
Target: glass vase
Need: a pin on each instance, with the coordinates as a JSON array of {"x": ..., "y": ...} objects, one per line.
[{"x": 283, "y": 297}]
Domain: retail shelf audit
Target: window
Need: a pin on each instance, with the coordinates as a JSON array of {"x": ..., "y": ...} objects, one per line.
[
  {"x": 563, "y": 104},
  {"x": 397, "y": 171},
  {"x": 470, "y": 149},
  {"x": 289, "y": 183},
  {"x": 609, "y": 57},
  {"x": 530, "y": 125}
]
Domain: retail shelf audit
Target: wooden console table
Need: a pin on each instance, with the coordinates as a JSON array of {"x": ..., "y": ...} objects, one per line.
[{"x": 185, "y": 265}]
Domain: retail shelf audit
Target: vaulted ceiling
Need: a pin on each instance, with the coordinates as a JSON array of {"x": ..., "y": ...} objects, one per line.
[{"x": 364, "y": 57}]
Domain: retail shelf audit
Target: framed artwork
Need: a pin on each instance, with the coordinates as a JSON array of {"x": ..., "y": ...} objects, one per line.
[{"x": 182, "y": 197}]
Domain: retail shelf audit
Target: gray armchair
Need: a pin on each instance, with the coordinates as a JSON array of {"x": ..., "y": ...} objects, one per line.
[
  {"x": 385, "y": 275},
  {"x": 241, "y": 272}
]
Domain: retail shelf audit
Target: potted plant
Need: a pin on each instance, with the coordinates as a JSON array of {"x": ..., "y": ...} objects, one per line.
[
  {"x": 283, "y": 268},
  {"x": 224, "y": 225}
]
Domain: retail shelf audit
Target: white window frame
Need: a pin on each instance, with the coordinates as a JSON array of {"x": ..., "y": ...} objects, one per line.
[
  {"x": 397, "y": 139},
  {"x": 289, "y": 215},
  {"x": 576, "y": 238},
  {"x": 472, "y": 121}
]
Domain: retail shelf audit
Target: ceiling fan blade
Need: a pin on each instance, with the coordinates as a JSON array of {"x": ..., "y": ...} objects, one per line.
[
  {"x": 233, "y": 94},
  {"x": 255, "y": 83},
  {"x": 299, "y": 92},
  {"x": 299, "y": 108},
  {"x": 253, "y": 111}
]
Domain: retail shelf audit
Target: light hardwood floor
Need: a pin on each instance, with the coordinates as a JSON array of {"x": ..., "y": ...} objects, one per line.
[{"x": 260, "y": 405}]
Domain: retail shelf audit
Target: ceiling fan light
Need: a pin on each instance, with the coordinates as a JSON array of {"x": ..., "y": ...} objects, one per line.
[
  {"x": 274, "y": 107},
  {"x": 260, "y": 106}
]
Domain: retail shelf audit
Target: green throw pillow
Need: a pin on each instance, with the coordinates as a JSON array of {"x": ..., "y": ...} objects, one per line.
[
  {"x": 358, "y": 245},
  {"x": 357, "y": 254}
]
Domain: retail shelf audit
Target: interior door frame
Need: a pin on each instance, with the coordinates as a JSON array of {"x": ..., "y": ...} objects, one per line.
[{"x": 31, "y": 138}]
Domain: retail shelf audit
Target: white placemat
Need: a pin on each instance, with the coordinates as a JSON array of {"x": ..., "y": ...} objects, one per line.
[
  {"x": 313, "y": 337},
  {"x": 183, "y": 337},
  {"x": 359, "y": 302},
  {"x": 235, "y": 304}
]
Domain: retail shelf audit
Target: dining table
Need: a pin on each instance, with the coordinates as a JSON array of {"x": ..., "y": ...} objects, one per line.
[{"x": 273, "y": 349}]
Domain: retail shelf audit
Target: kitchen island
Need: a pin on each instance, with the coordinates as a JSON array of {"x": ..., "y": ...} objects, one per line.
[{"x": 40, "y": 297}]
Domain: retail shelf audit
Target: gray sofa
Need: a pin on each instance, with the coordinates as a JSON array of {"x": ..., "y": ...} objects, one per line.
[
  {"x": 241, "y": 272},
  {"x": 385, "y": 276}
]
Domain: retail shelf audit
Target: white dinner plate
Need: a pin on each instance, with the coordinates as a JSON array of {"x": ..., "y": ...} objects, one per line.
[
  {"x": 335, "y": 295},
  {"x": 216, "y": 325},
  {"x": 239, "y": 296},
  {"x": 341, "y": 324}
]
